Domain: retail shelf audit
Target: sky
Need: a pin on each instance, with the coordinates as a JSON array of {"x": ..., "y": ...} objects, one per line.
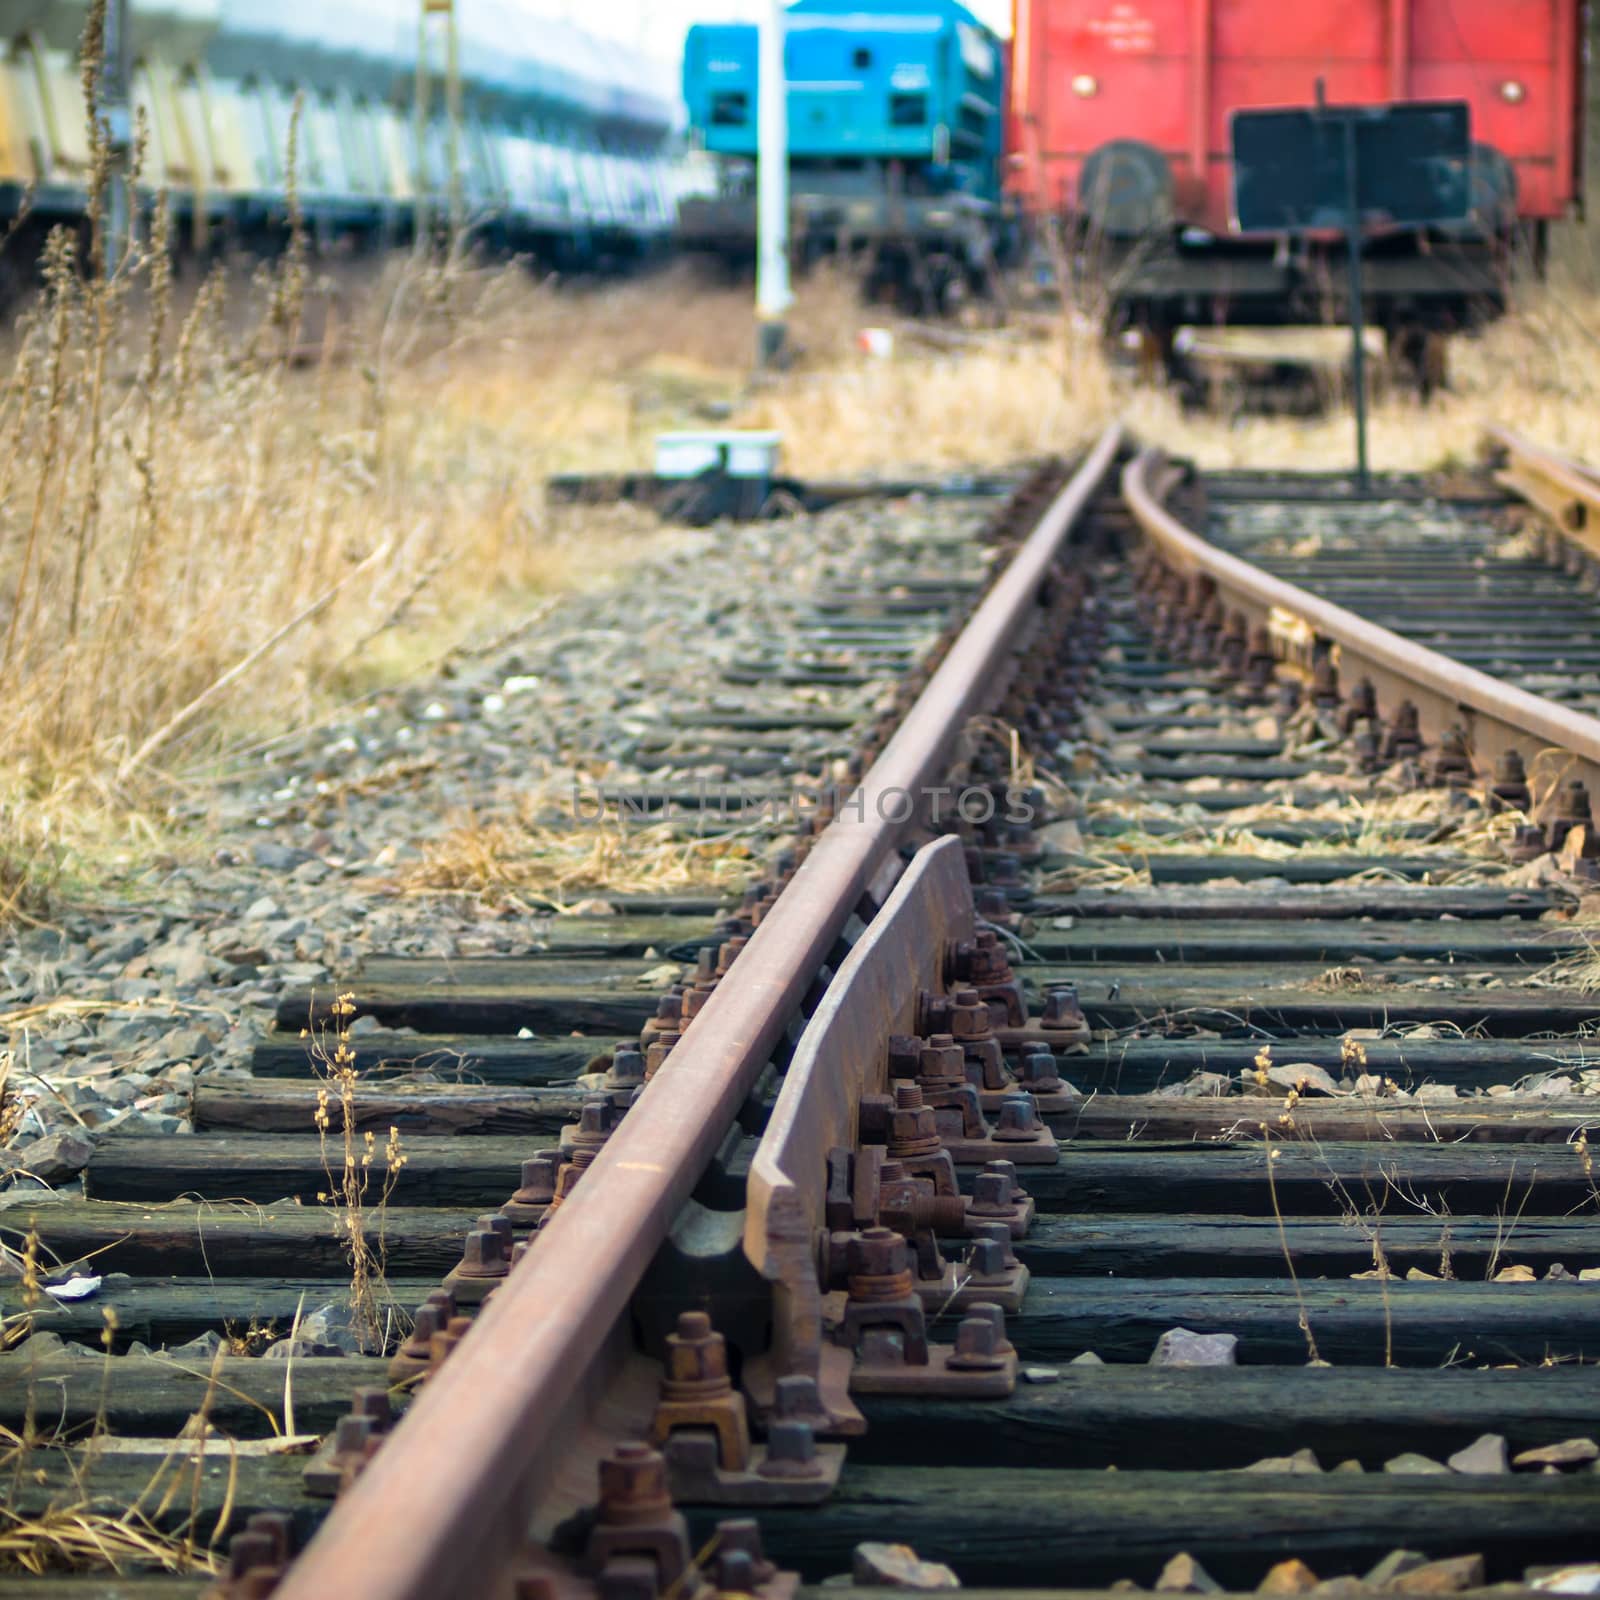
[{"x": 657, "y": 26}]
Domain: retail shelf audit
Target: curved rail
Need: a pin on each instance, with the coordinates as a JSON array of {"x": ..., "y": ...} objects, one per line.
[
  {"x": 1495, "y": 716},
  {"x": 1565, "y": 490},
  {"x": 448, "y": 1500}
]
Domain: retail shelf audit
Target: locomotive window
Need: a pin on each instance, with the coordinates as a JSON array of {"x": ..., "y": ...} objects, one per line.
[
  {"x": 861, "y": 60},
  {"x": 730, "y": 109},
  {"x": 908, "y": 110}
]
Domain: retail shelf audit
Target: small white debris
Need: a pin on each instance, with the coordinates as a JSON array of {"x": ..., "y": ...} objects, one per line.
[
  {"x": 1181, "y": 1347},
  {"x": 75, "y": 1288},
  {"x": 1570, "y": 1580}
]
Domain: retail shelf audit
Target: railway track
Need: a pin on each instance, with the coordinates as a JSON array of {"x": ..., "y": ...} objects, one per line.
[{"x": 1280, "y": 1019}]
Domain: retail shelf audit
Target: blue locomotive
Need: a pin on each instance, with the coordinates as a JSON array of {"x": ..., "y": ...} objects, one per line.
[{"x": 896, "y": 115}]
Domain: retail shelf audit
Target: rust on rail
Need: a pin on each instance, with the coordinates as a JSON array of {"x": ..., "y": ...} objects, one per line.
[
  {"x": 445, "y": 1506},
  {"x": 1566, "y": 491},
  {"x": 1495, "y": 717}
]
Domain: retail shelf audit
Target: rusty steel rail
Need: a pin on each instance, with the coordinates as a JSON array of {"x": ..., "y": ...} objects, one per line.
[
  {"x": 1566, "y": 491},
  {"x": 1495, "y": 717},
  {"x": 444, "y": 1508}
]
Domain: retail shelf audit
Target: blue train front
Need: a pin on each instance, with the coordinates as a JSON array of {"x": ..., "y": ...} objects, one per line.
[{"x": 895, "y": 125}]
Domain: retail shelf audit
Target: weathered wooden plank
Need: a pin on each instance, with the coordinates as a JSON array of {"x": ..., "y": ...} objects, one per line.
[
  {"x": 1143, "y": 940},
  {"x": 1135, "y": 1065},
  {"x": 1383, "y": 901},
  {"x": 1297, "y": 831},
  {"x": 105, "y": 1586},
  {"x": 1176, "y": 768},
  {"x": 1538, "y": 1120},
  {"x": 1301, "y": 999},
  {"x": 168, "y": 1310},
  {"x": 1355, "y": 1323},
  {"x": 652, "y": 938},
  {"x": 244, "y": 1484},
  {"x": 148, "y": 1396},
  {"x": 1326, "y": 1179},
  {"x": 283, "y": 1107},
  {"x": 1228, "y": 1417},
  {"x": 467, "y": 1173},
  {"x": 536, "y": 1003},
  {"x": 184, "y": 1238},
  {"x": 1303, "y": 867},
  {"x": 1187, "y": 1245},
  {"x": 1022, "y": 1526},
  {"x": 484, "y": 1058},
  {"x": 472, "y": 1174}
]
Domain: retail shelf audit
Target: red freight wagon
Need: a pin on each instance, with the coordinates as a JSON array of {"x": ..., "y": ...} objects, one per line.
[{"x": 1119, "y": 126}]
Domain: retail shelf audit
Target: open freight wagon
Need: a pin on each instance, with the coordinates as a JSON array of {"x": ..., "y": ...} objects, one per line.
[{"x": 1118, "y": 146}]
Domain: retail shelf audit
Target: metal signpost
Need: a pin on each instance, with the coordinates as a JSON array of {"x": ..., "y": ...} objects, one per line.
[
  {"x": 116, "y": 129},
  {"x": 1323, "y": 168},
  {"x": 772, "y": 189}
]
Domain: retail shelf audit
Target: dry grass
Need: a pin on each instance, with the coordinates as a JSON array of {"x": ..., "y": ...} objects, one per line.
[
  {"x": 359, "y": 1223},
  {"x": 502, "y": 863}
]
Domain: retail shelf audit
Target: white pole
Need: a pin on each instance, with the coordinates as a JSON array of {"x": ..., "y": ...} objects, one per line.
[{"x": 772, "y": 189}]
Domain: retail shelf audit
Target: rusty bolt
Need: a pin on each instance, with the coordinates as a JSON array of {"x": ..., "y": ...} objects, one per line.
[
  {"x": 986, "y": 1261},
  {"x": 1527, "y": 842},
  {"x": 981, "y": 1343},
  {"x": 538, "y": 1179},
  {"x": 1018, "y": 1122},
  {"x": 594, "y": 1124},
  {"x": 1572, "y": 804},
  {"x": 426, "y": 1321},
  {"x": 913, "y": 1126},
  {"x": 660, "y": 1049},
  {"x": 941, "y": 1062},
  {"x": 733, "y": 1572},
  {"x": 633, "y": 1486},
  {"x": 1452, "y": 762},
  {"x": 1062, "y": 1008},
  {"x": 878, "y": 1265},
  {"x": 1362, "y": 706},
  {"x": 999, "y": 1235},
  {"x": 791, "y": 1450},
  {"x": 1038, "y": 1072},
  {"x": 627, "y": 1069},
  {"x": 1325, "y": 682},
  {"x": 373, "y": 1403},
  {"x": 350, "y": 1435},
  {"x": 994, "y": 1190},
  {"x": 796, "y": 1396},
  {"x": 969, "y": 1015},
  {"x": 1403, "y": 737},
  {"x": 484, "y": 1255},
  {"x": 1510, "y": 786},
  {"x": 741, "y": 1536},
  {"x": 697, "y": 1360},
  {"x": 445, "y": 1339}
]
